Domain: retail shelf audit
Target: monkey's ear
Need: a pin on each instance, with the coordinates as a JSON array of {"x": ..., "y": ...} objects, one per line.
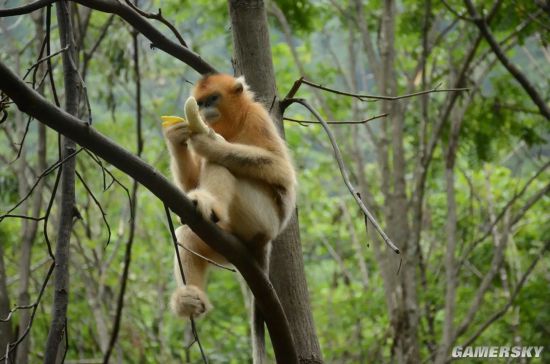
[{"x": 239, "y": 86}]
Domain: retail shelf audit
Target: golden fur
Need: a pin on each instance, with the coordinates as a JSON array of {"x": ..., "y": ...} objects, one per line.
[{"x": 238, "y": 173}]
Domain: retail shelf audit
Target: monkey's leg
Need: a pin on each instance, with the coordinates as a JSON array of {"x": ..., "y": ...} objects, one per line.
[
  {"x": 215, "y": 193},
  {"x": 190, "y": 299}
]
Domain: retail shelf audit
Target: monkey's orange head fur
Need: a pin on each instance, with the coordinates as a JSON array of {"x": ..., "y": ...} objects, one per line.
[
  {"x": 230, "y": 88},
  {"x": 231, "y": 96}
]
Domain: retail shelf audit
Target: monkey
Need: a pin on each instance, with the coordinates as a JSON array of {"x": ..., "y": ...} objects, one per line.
[{"x": 236, "y": 169}]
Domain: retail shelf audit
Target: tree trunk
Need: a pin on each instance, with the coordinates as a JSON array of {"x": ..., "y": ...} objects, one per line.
[
  {"x": 253, "y": 59},
  {"x": 67, "y": 201},
  {"x": 6, "y": 330},
  {"x": 405, "y": 317},
  {"x": 30, "y": 227}
]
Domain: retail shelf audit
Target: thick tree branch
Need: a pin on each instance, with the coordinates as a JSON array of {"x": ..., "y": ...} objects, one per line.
[
  {"x": 25, "y": 9},
  {"x": 33, "y": 104},
  {"x": 481, "y": 23},
  {"x": 137, "y": 21}
]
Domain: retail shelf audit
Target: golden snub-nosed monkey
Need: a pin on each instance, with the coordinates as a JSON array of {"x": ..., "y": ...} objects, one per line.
[{"x": 236, "y": 170}]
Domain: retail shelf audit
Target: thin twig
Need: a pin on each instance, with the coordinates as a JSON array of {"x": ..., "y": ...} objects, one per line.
[
  {"x": 365, "y": 97},
  {"x": 158, "y": 16},
  {"x": 502, "y": 213},
  {"x": 16, "y": 308},
  {"x": 98, "y": 204},
  {"x": 344, "y": 173},
  {"x": 22, "y": 142},
  {"x": 11, "y": 346},
  {"x": 24, "y": 217},
  {"x": 482, "y": 24},
  {"x": 511, "y": 300},
  {"x": 207, "y": 259},
  {"x": 113, "y": 179},
  {"x": 337, "y": 122},
  {"x": 89, "y": 54},
  {"x": 44, "y": 59},
  {"x": 456, "y": 13},
  {"x": 182, "y": 274},
  {"x": 48, "y": 170},
  {"x": 133, "y": 207}
]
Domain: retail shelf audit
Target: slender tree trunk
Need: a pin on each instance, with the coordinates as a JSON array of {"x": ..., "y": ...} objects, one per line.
[
  {"x": 447, "y": 337},
  {"x": 67, "y": 201},
  {"x": 30, "y": 227},
  {"x": 253, "y": 60},
  {"x": 406, "y": 315},
  {"x": 6, "y": 330}
]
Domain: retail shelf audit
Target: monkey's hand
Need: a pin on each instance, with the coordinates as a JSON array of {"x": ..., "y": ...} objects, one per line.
[{"x": 176, "y": 134}]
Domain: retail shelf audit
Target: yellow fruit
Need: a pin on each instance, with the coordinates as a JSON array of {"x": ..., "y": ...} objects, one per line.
[{"x": 168, "y": 121}]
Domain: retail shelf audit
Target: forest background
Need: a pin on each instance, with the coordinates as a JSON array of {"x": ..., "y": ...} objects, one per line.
[{"x": 457, "y": 178}]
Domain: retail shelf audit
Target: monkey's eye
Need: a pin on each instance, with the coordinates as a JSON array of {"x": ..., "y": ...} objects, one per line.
[
  {"x": 213, "y": 99},
  {"x": 200, "y": 103}
]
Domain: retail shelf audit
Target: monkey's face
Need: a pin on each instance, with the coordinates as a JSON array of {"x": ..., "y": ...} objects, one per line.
[
  {"x": 222, "y": 100},
  {"x": 209, "y": 107}
]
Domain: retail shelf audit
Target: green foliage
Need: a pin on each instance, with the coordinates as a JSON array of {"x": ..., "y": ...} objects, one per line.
[
  {"x": 300, "y": 14},
  {"x": 501, "y": 143}
]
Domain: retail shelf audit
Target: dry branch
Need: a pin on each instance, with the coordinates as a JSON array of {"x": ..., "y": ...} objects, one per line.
[
  {"x": 337, "y": 122},
  {"x": 365, "y": 97},
  {"x": 344, "y": 173}
]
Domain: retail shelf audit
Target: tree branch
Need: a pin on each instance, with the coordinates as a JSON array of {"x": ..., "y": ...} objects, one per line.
[
  {"x": 511, "y": 300},
  {"x": 137, "y": 21},
  {"x": 342, "y": 167},
  {"x": 481, "y": 23},
  {"x": 25, "y": 9},
  {"x": 379, "y": 116},
  {"x": 363, "y": 97}
]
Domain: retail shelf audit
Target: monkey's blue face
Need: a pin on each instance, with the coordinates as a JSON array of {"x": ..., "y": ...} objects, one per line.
[{"x": 208, "y": 107}]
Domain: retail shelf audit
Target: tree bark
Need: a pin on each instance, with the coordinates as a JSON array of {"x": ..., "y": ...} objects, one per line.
[
  {"x": 67, "y": 200},
  {"x": 253, "y": 59}
]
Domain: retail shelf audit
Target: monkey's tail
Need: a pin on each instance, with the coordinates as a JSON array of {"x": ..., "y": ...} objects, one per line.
[
  {"x": 258, "y": 335},
  {"x": 257, "y": 320}
]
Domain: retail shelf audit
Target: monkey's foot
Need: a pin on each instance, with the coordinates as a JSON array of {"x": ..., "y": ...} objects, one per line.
[
  {"x": 189, "y": 301},
  {"x": 205, "y": 204}
]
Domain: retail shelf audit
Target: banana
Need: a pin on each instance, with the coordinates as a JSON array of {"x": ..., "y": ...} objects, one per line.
[
  {"x": 196, "y": 124},
  {"x": 168, "y": 121}
]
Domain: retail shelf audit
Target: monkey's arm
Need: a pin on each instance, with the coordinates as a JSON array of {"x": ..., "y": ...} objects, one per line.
[
  {"x": 245, "y": 160},
  {"x": 184, "y": 164},
  {"x": 240, "y": 159},
  {"x": 185, "y": 168}
]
